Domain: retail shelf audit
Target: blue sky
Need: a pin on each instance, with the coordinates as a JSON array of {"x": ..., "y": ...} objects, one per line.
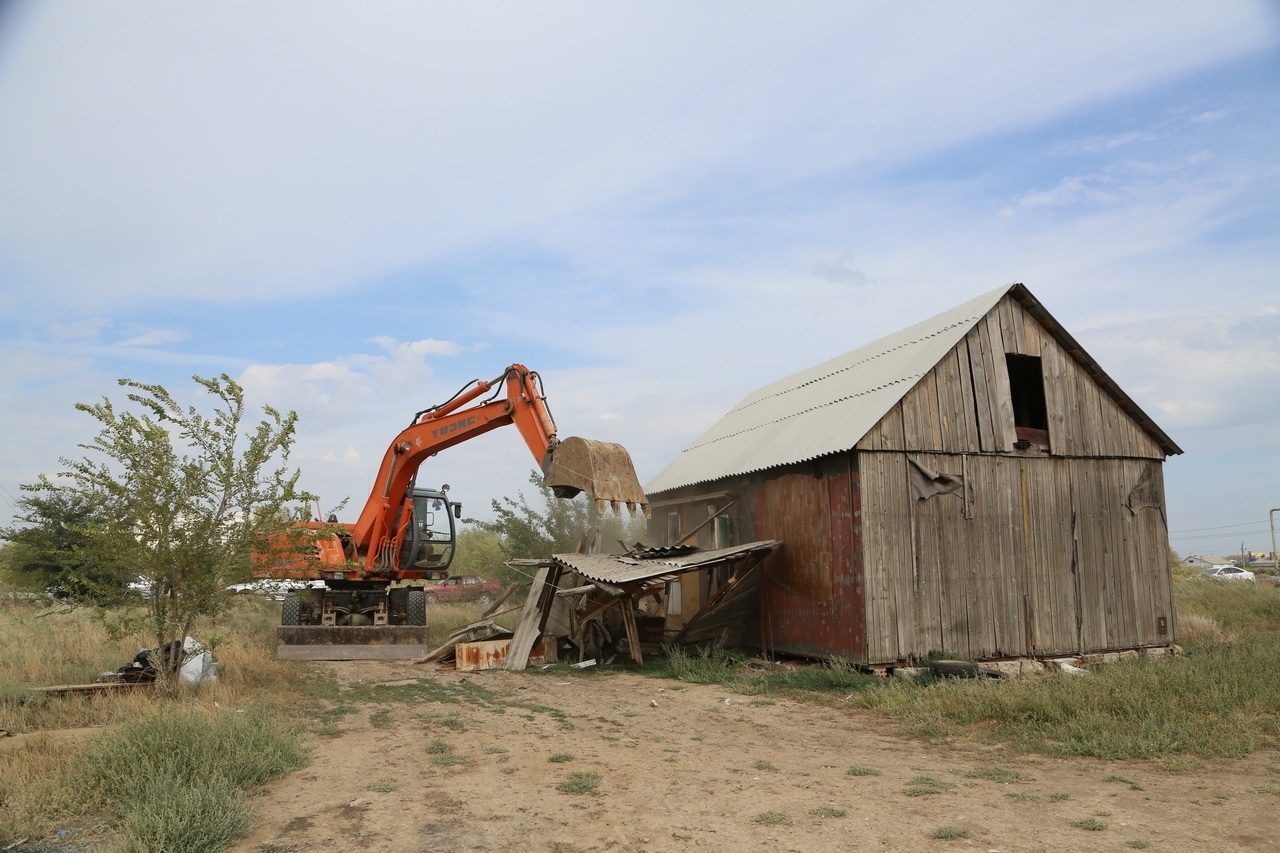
[{"x": 354, "y": 210}]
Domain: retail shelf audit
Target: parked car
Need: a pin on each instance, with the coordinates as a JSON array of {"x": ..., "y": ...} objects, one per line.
[
  {"x": 463, "y": 588},
  {"x": 272, "y": 588},
  {"x": 1227, "y": 573}
]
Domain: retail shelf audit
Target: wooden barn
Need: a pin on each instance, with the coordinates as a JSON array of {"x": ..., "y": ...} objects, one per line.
[{"x": 974, "y": 485}]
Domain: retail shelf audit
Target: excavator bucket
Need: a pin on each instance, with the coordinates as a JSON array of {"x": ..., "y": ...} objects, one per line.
[{"x": 599, "y": 468}]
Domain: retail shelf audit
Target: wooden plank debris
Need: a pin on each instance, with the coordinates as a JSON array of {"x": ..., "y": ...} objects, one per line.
[{"x": 537, "y": 608}]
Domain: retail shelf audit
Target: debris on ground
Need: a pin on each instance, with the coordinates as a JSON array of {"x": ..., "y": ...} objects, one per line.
[
  {"x": 192, "y": 662},
  {"x": 597, "y": 602}
]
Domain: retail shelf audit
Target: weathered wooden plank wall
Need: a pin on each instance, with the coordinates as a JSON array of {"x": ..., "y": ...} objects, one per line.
[
  {"x": 1043, "y": 558},
  {"x": 1004, "y": 581},
  {"x": 963, "y": 404}
]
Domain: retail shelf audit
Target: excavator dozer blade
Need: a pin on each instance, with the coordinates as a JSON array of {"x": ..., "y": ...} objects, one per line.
[
  {"x": 385, "y": 642},
  {"x": 601, "y": 469}
]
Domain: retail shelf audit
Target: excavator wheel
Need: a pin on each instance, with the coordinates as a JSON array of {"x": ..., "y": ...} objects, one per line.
[
  {"x": 290, "y": 610},
  {"x": 415, "y": 610}
]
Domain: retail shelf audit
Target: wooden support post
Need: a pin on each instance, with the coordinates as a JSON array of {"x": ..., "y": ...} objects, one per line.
[
  {"x": 534, "y": 619},
  {"x": 633, "y": 634}
]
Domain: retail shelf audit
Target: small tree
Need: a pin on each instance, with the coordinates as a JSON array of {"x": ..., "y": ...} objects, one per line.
[
  {"x": 45, "y": 548},
  {"x": 557, "y": 526},
  {"x": 184, "y": 497},
  {"x": 480, "y": 552}
]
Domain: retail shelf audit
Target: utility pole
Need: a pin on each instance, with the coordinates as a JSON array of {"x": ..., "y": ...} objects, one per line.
[{"x": 1275, "y": 564}]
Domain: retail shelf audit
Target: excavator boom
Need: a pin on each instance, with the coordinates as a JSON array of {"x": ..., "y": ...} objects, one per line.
[
  {"x": 406, "y": 533},
  {"x": 601, "y": 469}
]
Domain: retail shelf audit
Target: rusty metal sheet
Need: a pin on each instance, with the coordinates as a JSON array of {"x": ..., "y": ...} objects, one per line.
[
  {"x": 490, "y": 654},
  {"x": 813, "y": 602}
]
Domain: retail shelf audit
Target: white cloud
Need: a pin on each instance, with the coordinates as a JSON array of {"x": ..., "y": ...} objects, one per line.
[
  {"x": 1208, "y": 370},
  {"x": 154, "y": 338},
  {"x": 89, "y": 329},
  {"x": 245, "y": 151},
  {"x": 411, "y": 350},
  {"x": 335, "y": 391}
]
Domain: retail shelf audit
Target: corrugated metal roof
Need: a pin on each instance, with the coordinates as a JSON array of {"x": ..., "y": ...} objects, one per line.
[
  {"x": 825, "y": 409},
  {"x": 619, "y": 569}
]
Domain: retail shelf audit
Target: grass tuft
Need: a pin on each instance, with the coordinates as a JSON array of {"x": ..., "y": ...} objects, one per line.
[
  {"x": 948, "y": 833},
  {"x": 859, "y": 770},
  {"x": 827, "y": 811},
  {"x": 771, "y": 819},
  {"x": 1133, "y": 786},
  {"x": 922, "y": 786},
  {"x": 715, "y": 665},
  {"x": 383, "y": 787},
  {"x": 1090, "y": 823},
  {"x": 995, "y": 774},
  {"x": 764, "y": 765},
  {"x": 176, "y": 779},
  {"x": 560, "y": 757},
  {"x": 580, "y": 782}
]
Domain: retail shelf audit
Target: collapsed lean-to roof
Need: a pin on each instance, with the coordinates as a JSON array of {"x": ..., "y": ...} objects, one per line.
[{"x": 829, "y": 408}]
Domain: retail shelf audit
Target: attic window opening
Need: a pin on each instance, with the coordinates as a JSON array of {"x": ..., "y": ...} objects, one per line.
[{"x": 1026, "y": 386}]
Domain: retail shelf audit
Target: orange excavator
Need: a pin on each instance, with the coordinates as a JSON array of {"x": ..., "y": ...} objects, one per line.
[{"x": 369, "y": 575}]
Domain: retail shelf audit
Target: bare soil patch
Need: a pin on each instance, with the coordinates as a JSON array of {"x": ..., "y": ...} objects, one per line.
[{"x": 704, "y": 769}]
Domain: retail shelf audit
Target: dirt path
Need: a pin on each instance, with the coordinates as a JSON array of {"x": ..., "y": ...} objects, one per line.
[{"x": 696, "y": 772}]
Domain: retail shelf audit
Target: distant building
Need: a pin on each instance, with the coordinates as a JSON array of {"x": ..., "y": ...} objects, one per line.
[
  {"x": 1205, "y": 561},
  {"x": 975, "y": 484}
]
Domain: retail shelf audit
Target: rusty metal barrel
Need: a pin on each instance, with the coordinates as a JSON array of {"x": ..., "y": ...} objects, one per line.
[{"x": 601, "y": 469}]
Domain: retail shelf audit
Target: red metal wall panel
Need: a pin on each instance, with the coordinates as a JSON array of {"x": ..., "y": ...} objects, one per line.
[{"x": 810, "y": 601}]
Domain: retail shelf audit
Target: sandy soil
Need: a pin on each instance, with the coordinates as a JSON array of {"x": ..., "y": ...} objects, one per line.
[{"x": 683, "y": 776}]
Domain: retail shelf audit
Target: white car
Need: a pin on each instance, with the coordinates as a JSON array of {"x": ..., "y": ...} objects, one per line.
[
  {"x": 1226, "y": 572},
  {"x": 272, "y": 587}
]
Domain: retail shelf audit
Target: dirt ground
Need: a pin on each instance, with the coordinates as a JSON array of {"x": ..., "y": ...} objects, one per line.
[{"x": 697, "y": 770}]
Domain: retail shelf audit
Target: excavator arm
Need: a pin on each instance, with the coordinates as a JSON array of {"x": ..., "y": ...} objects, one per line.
[{"x": 571, "y": 466}]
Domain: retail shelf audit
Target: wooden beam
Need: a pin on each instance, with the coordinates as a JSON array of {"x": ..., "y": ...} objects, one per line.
[
  {"x": 534, "y": 619},
  {"x": 633, "y": 634},
  {"x": 493, "y": 607},
  {"x": 710, "y": 518}
]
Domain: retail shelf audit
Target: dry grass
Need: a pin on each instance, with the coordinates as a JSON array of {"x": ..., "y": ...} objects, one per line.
[
  {"x": 1198, "y": 628},
  {"x": 42, "y": 646},
  {"x": 444, "y": 619}
]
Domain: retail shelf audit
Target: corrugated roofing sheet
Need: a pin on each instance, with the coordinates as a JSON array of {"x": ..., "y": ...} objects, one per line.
[
  {"x": 825, "y": 409},
  {"x": 619, "y": 569}
]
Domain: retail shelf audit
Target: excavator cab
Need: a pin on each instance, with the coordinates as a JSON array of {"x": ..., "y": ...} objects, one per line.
[{"x": 430, "y": 537}]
